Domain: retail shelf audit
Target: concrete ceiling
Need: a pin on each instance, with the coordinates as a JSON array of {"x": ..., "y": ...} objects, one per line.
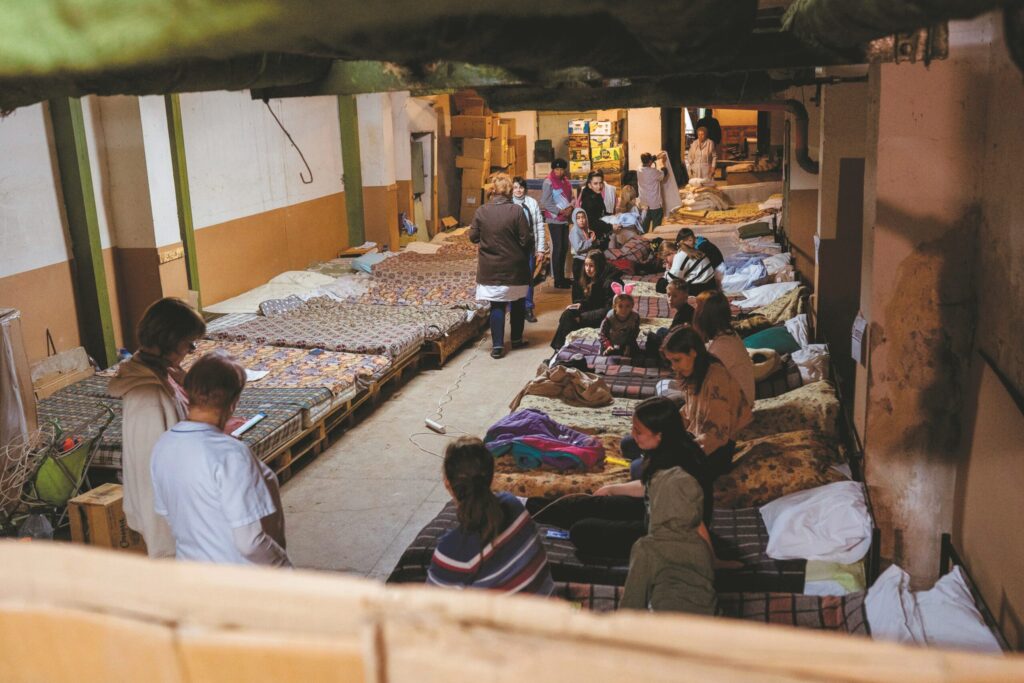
[{"x": 539, "y": 50}]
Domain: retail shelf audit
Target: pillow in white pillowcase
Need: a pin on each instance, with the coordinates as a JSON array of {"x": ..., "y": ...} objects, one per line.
[
  {"x": 830, "y": 523},
  {"x": 891, "y": 609},
  {"x": 951, "y": 618}
]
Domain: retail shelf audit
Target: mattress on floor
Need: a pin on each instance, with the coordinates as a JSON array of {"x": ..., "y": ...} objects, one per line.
[
  {"x": 430, "y": 265},
  {"x": 612, "y": 420},
  {"x": 337, "y": 267},
  {"x": 411, "y": 289},
  {"x": 567, "y": 565},
  {"x": 292, "y": 368},
  {"x": 548, "y": 483},
  {"x": 435, "y": 321},
  {"x": 348, "y": 333},
  {"x": 636, "y": 251},
  {"x": 249, "y": 302},
  {"x": 283, "y": 422}
]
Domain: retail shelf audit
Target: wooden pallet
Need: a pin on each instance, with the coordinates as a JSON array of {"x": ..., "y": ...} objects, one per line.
[{"x": 442, "y": 349}]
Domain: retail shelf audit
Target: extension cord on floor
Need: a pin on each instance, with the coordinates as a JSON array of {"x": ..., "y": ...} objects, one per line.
[{"x": 434, "y": 425}]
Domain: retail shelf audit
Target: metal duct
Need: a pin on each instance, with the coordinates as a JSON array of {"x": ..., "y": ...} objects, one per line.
[{"x": 841, "y": 24}]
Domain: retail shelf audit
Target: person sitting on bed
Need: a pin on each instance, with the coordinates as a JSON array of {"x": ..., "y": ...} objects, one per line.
[
  {"x": 715, "y": 407},
  {"x": 679, "y": 301},
  {"x": 621, "y": 326},
  {"x": 608, "y": 523},
  {"x": 671, "y": 569},
  {"x": 595, "y": 298},
  {"x": 712, "y": 320},
  {"x": 687, "y": 237},
  {"x": 495, "y": 544}
]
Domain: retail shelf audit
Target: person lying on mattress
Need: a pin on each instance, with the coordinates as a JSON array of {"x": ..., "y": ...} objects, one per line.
[
  {"x": 671, "y": 569},
  {"x": 608, "y": 523},
  {"x": 495, "y": 545}
]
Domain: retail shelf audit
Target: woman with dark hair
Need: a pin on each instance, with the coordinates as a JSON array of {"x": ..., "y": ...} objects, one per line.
[
  {"x": 556, "y": 201},
  {"x": 715, "y": 408},
  {"x": 607, "y": 523},
  {"x": 592, "y": 201},
  {"x": 495, "y": 545},
  {"x": 712, "y": 320},
  {"x": 503, "y": 275},
  {"x": 594, "y": 299},
  {"x": 150, "y": 386}
]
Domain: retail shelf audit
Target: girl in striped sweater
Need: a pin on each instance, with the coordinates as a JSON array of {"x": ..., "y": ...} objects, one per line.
[{"x": 495, "y": 545}]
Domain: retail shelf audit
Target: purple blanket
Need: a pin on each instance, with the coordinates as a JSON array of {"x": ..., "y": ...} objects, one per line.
[{"x": 534, "y": 439}]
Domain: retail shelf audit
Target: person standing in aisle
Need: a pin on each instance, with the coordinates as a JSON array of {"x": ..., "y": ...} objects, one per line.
[
  {"x": 650, "y": 179},
  {"x": 540, "y": 242},
  {"x": 702, "y": 157},
  {"x": 556, "y": 202},
  {"x": 505, "y": 237}
]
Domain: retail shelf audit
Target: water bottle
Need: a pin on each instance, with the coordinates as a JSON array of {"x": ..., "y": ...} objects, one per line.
[{"x": 37, "y": 527}]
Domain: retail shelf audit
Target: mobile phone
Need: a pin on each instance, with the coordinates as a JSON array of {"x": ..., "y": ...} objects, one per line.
[
  {"x": 621, "y": 412},
  {"x": 557, "y": 533},
  {"x": 249, "y": 424}
]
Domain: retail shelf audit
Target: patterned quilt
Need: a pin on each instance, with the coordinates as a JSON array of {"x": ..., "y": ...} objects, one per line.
[
  {"x": 813, "y": 406},
  {"x": 299, "y": 368},
  {"x": 428, "y": 265},
  {"x": 435, "y": 320},
  {"x": 653, "y": 306},
  {"x": 410, "y": 289},
  {"x": 544, "y": 483},
  {"x": 334, "y": 332},
  {"x": 636, "y": 250},
  {"x": 613, "y": 420}
]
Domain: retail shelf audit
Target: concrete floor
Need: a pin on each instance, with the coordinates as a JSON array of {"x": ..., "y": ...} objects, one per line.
[{"x": 357, "y": 506}]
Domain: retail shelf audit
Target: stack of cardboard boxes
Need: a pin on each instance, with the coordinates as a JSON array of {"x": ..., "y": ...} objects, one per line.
[
  {"x": 489, "y": 145},
  {"x": 596, "y": 145}
]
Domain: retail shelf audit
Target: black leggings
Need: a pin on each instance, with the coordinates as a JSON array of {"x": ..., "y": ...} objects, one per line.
[
  {"x": 559, "y": 251},
  {"x": 599, "y": 526},
  {"x": 572, "y": 319}
]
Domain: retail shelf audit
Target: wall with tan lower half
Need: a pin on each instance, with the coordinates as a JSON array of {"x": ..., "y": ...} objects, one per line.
[
  {"x": 46, "y": 298},
  {"x": 240, "y": 254}
]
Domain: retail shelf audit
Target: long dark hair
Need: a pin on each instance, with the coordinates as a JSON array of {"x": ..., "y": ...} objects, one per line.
[
  {"x": 600, "y": 266},
  {"x": 661, "y": 416},
  {"x": 684, "y": 339},
  {"x": 712, "y": 315},
  {"x": 469, "y": 469}
]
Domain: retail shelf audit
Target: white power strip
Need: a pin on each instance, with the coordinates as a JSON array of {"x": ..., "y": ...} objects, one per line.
[{"x": 434, "y": 425}]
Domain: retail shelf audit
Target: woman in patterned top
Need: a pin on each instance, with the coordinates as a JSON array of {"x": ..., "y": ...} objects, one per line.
[
  {"x": 715, "y": 409},
  {"x": 495, "y": 545}
]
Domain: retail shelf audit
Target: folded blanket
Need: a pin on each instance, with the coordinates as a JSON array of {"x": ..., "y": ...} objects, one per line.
[
  {"x": 573, "y": 386},
  {"x": 534, "y": 439}
]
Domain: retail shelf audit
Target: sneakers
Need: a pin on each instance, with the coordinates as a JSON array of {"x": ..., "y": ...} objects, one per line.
[
  {"x": 530, "y": 317},
  {"x": 497, "y": 352}
]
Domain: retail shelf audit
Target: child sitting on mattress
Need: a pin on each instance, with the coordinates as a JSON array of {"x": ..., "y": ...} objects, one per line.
[
  {"x": 495, "y": 545},
  {"x": 621, "y": 326}
]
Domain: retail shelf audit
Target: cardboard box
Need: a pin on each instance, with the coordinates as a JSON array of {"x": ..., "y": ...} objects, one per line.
[
  {"x": 579, "y": 168},
  {"x": 579, "y": 154},
  {"x": 472, "y": 126},
  {"x": 542, "y": 169},
  {"x": 466, "y": 214},
  {"x": 601, "y": 127},
  {"x": 502, "y": 134},
  {"x": 462, "y": 97},
  {"x": 502, "y": 158},
  {"x": 474, "y": 178},
  {"x": 472, "y": 196},
  {"x": 495, "y": 127},
  {"x": 510, "y": 125},
  {"x": 473, "y": 106},
  {"x": 579, "y": 142},
  {"x": 478, "y": 148},
  {"x": 579, "y": 127},
  {"x": 97, "y": 519},
  {"x": 449, "y": 222},
  {"x": 519, "y": 142}
]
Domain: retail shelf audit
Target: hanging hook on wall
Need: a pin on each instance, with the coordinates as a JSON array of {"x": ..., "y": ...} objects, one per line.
[{"x": 302, "y": 176}]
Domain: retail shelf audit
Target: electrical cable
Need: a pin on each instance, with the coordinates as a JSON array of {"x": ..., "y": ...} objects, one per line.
[{"x": 291, "y": 140}]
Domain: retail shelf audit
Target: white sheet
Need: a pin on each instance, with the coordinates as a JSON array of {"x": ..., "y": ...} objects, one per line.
[
  {"x": 892, "y": 610},
  {"x": 812, "y": 361},
  {"x": 423, "y": 247},
  {"x": 797, "y": 326},
  {"x": 830, "y": 523},
  {"x": 249, "y": 302},
  {"x": 765, "y": 294}
]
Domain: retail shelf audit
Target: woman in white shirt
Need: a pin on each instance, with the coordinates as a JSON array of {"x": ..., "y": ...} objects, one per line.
[
  {"x": 702, "y": 157},
  {"x": 712, "y": 320}
]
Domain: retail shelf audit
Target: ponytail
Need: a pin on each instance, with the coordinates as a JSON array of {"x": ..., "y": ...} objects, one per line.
[{"x": 469, "y": 470}]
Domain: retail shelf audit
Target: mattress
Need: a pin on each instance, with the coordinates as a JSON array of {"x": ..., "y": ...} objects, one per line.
[
  {"x": 652, "y": 278},
  {"x": 249, "y": 302},
  {"x": 348, "y": 333},
  {"x": 653, "y": 306},
  {"x": 813, "y": 406},
  {"x": 435, "y": 321},
  {"x": 283, "y": 422},
  {"x": 411, "y": 289},
  {"x": 610, "y": 365},
  {"x": 291, "y": 368},
  {"x": 229, "y": 320},
  {"x": 333, "y": 268},
  {"x": 566, "y": 565},
  {"x": 543, "y": 483},
  {"x": 613, "y": 420}
]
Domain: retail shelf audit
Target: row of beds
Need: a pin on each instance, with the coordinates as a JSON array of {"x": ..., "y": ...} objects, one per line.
[
  {"x": 323, "y": 357},
  {"x": 799, "y": 440}
]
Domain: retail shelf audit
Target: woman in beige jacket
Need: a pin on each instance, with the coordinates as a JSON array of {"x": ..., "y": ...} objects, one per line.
[{"x": 150, "y": 385}]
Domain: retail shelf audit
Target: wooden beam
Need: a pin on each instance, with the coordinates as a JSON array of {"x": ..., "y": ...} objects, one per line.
[
  {"x": 348, "y": 118},
  {"x": 94, "y": 319},
  {"x": 181, "y": 193}
]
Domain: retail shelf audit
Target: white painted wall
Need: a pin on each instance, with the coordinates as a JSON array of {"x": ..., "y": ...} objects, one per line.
[
  {"x": 240, "y": 163},
  {"x": 421, "y": 114},
  {"x": 400, "y": 132},
  {"x": 799, "y": 178},
  {"x": 376, "y": 139},
  {"x": 96, "y": 140},
  {"x": 31, "y": 226},
  {"x": 160, "y": 171},
  {"x": 644, "y": 133}
]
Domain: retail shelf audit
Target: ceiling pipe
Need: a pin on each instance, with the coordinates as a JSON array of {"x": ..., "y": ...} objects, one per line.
[{"x": 800, "y": 136}]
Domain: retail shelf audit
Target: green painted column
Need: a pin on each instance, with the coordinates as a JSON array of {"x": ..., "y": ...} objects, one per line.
[
  {"x": 181, "y": 192},
  {"x": 94, "y": 319},
  {"x": 348, "y": 117}
]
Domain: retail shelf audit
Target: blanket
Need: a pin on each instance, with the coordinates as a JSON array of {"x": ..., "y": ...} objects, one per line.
[
  {"x": 813, "y": 406},
  {"x": 533, "y": 439},
  {"x": 616, "y": 419},
  {"x": 573, "y": 386}
]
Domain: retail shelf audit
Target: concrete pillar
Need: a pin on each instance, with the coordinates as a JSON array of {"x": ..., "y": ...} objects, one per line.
[
  {"x": 800, "y": 211},
  {"x": 377, "y": 157},
  {"x": 931, "y": 126},
  {"x": 840, "y": 221},
  {"x": 403, "y": 152}
]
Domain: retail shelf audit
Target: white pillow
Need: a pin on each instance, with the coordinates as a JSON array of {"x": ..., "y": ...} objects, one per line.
[
  {"x": 828, "y": 523},
  {"x": 797, "y": 326},
  {"x": 811, "y": 360},
  {"x": 891, "y": 609},
  {"x": 950, "y": 617},
  {"x": 765, "y": 294},
  {"x": 776, "y": 263}
]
